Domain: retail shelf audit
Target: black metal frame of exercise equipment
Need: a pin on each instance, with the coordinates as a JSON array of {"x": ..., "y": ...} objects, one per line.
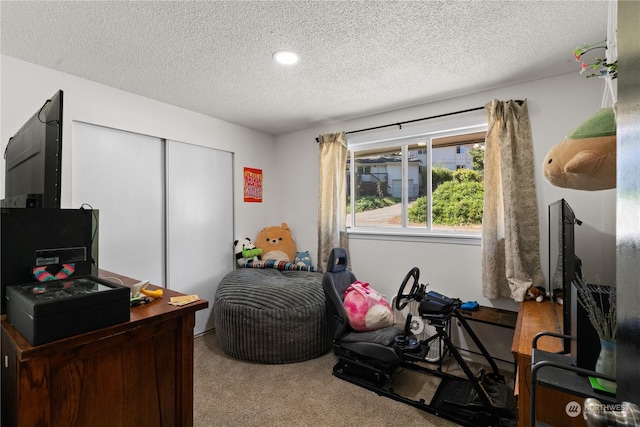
[{"x": 479, "y": 408}]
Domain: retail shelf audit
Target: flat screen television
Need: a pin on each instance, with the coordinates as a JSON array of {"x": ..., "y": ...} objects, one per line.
[
  {"x": 563, "y": 262},
  {"x": 33, "y": 161}
]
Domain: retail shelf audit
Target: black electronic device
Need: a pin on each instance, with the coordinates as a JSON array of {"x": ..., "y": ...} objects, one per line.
[
  {"x": 439, "y": 297},
  {"x": 33, "y": 159},
  {"x": 407, "y": 342},
  {"x": 46, "y": 239},
  {"x": 436, "y": 304},
  {"x": 563, "y": 262},
  {"x": 48, "y": 311}
]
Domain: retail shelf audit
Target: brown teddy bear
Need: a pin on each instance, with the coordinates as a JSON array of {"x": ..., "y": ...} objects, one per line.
[{"x": 277, "y": 243}]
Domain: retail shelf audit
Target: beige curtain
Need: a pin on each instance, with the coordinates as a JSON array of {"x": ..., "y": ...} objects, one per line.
[
  {"x": 332, "y": 209},
  {"x": 510, "y": 230}
]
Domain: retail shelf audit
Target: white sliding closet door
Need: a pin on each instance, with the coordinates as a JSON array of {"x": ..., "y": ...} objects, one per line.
[
  {"x": 199, "y": 222},
  {"x": 166, "y": 209},
  {"x": 122, "y": 175}
]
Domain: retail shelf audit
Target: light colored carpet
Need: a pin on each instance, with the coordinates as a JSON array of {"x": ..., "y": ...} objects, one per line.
[{"x": 229, "y": 392}]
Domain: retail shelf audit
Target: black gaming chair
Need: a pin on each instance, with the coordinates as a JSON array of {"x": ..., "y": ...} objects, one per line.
[{"x": 373, "y": 348}]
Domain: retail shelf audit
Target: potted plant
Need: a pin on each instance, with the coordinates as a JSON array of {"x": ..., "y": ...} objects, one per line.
[
  {"x": 600, "y": 304},
  {"x": 599, "y": 67}
]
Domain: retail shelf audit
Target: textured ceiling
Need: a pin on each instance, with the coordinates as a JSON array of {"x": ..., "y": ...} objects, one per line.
[{"x": 357, "y": 58}]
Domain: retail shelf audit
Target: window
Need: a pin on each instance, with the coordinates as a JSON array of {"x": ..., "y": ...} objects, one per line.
[
  {"x": 429, "y": 183},
  {"x": 363, "y": 170}
]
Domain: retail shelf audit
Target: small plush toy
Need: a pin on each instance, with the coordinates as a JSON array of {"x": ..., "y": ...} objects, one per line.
[
  {"x": 303, "y": 259},
  {"x": 366, "y": 309},
  {"x": 536, "y": 293},
  {"x": 558, "y": 296},
  {"x": 246, "y": 251},
  {"x": 586, "y": 158},
  {"x": 277, "y": 243}
]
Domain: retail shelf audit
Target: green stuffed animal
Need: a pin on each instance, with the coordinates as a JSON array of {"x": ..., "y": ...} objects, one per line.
[{"x": 586, "y": 158}]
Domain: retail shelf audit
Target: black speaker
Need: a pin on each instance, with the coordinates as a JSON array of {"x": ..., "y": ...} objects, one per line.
[
  {"x": 585, "y": 348},
  {"x": 46, "y": 238}
]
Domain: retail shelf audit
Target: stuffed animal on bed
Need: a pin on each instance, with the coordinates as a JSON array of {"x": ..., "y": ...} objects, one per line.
[
  {"x": 303, "y": 259},
  {"x": 586, "y": 158},
  {"x": 277, "y": 243},
  {"x": 245, "y": 251}
]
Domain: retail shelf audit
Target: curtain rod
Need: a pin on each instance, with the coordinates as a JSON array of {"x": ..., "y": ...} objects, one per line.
[{"x": 399, "y": 124}]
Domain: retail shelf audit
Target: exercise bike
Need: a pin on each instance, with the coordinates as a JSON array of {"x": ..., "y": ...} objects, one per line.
[{"x": 374, "y": 359}]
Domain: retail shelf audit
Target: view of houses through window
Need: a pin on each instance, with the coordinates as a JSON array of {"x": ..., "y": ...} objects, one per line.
[{"x": 434, "y": 184}]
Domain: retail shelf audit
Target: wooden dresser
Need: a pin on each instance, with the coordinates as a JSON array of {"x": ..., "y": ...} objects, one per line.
[
  {"x": 138, "y": 373},
  {"x": 535, "y": 317}
]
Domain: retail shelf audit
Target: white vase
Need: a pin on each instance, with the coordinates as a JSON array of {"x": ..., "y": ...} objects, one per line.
[{"x": 606, "y": 364}]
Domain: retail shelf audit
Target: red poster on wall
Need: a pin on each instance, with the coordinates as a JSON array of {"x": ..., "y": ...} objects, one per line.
[{"x": 252, "y": 185}]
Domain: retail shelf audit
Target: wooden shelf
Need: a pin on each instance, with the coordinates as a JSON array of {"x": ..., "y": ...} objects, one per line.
[
  {"x": 535, "y": 317},
  {"x": 492, "y": 316}
]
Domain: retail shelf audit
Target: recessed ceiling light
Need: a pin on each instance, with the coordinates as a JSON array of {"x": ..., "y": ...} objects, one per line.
[{"x": 285, "y": 57}]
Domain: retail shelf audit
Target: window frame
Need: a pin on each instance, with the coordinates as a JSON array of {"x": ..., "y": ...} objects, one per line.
[{"x": 401, "y": 140}]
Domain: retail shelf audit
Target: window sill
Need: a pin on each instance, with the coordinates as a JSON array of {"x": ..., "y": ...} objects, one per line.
[{"x": 409, "y": 235}]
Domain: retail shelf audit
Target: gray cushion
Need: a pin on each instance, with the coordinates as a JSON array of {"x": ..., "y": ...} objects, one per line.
[{"x": 272, "y": 316}]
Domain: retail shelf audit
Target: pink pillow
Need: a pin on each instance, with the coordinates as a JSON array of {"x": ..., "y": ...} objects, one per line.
[{"x": 366, "y": 309}]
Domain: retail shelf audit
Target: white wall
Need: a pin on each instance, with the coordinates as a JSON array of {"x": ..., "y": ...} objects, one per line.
[
  {"x": 25, "y": 87},
  {"x": 556, "y": 106}
]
